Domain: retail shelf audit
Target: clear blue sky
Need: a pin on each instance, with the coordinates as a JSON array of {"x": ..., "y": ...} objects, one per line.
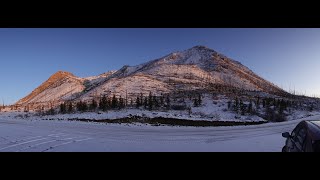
[{"x": 286, "y": 57}]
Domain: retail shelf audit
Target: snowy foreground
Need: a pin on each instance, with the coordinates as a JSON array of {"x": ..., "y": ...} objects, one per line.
[{"x": 19, "y": 135}]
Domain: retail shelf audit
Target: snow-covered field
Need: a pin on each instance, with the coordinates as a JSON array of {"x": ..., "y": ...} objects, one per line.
[{"x": 20, "y": 135}]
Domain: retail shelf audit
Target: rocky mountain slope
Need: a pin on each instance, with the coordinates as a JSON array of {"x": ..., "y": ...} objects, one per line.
[{"x": 198, "y": 68}]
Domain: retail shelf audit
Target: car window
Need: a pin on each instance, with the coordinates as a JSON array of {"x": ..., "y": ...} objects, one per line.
[
  {"x": 308, "y": 145},
  {"x": 299, "y": 138},
  {"x": 296, "y": 130}
]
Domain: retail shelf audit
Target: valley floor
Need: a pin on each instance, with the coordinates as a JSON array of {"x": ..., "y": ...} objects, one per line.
[{"x": 18, "y": 135}]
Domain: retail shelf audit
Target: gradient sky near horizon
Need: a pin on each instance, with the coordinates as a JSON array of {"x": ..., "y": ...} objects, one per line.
[{"x": 290, "y": 58}]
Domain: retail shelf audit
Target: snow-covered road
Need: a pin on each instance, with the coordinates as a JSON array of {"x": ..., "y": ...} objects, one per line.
[{"x": 18, "y": 135}]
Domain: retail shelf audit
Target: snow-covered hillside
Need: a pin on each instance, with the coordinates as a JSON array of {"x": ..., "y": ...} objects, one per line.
[
  {"x": 197, "y": 68},
  {"x": 60, "y": 86}
]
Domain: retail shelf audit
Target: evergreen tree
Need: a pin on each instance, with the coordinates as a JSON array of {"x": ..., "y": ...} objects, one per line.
[
  {"x": 156, "y": 102},
  {"x": 108, "y": 103},
  {"x": 278, "y": 103},
  {"x": 229, "y": 104},
  {"x": 51, "y": 111},
  {"x": 199, "y": 100},
  {"x": 103, "y": 103},
  {"x": 79, "y": 106},
  {"x": 168, "y": 105},
  {"x": 189, "y": 110},
  {"x": 138, "y": 104},
  {"x": 114, "y": 102},
  {"x": 131, "y": 102},
  {"x": 195, "y": 102},
  {"x": 269, "y": 113},
  {"x": 141, "y": 99},
  {"x": 150, "y": 101},
  {"x": 63, "y": 108},
  {"x": 311, "y": 107},
  {"x": 145, "y": 103},
  {"x": 281, "y": 108},
  {"x": 121, "y": 103},
  {"x": 242, "y": 107},
  {"x": 236, "y": 105},
  {"x": 70, "y": 108},
  {"x": 93, "y": 105},
  {"x": 250, "y": 107},
  {"x": 161, "y": 100},
  {"x": 84, "y": 106}
]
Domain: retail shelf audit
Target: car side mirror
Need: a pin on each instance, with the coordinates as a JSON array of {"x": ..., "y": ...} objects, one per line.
[{"x": 286, "y": 135}]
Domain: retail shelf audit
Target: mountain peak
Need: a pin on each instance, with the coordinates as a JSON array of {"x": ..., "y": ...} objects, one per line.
[
  {"x": 54, "y": 81},
  {"x": 62, "y": 73},
  {"x": 199, "y": 47},
  {"x": 199, "y": 50},
  {"x": 59, "y": 75}
]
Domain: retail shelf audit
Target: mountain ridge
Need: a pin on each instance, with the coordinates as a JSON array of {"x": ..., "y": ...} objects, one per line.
[{"x": 197, "y": 68}]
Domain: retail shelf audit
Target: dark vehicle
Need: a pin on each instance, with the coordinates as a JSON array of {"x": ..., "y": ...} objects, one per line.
[{"x": 304, "y": 138}]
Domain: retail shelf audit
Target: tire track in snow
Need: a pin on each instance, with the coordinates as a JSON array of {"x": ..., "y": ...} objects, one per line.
[
  {"x": 14, "y": 145},
  {"x": 69, "y": 142},
  {"x": 46, "y": 142}
]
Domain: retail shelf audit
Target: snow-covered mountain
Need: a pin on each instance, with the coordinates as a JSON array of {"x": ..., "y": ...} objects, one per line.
[
  {"x": 62, "y": 86},
  {"x": 197, "y": 68}
]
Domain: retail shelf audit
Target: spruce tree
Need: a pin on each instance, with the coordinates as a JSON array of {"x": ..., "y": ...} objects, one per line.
[
  {"x": 199, "y": 100},
  {"x": 155, "y": 102},
  {"x": 138, "y": 104},
  {"x": 281, "y": 108},
  {"x": 100, "y": 104},
  {"x": 114, "y": 102},
  {"x": 195, "y": 102},
  {"x": 278, "y": 103},
  {"x": 150, "y": 101},
  {"x": 79, "y": 106},
  {"x": 103, "y": 103},
  {"x": 250, "y": 107},
  {"x": 121, "y": 103},
  {"x": 131, "y": 102},
  {"x": 145, "y": 103},
  {"x": 168, "y": 105},
  {"x": 84, "y": 106},
  {"x": 51, "y": 111},
  {"x": 93, "y": 105},
  {"x": 236, "y": 105},
  {"x": 229, "y": 104},
  {"x": 63, "y": 108},
  {"x": 242, "y": 107},
  {"x": 141, "y": 99},
  {"x": 161, "y": 100},
  {"x": 70, "y": 108}
]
